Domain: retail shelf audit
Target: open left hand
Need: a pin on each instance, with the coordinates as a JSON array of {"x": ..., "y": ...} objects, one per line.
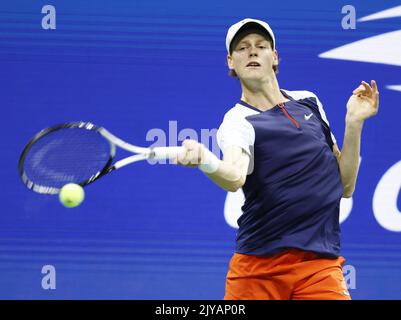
[{"x": 364, "y": 102}]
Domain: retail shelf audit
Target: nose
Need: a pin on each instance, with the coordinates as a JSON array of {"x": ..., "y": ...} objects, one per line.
[{"x": 253, "y": 52}]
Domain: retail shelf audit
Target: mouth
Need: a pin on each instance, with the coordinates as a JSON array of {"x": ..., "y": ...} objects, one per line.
[{"x": 253, "y": 64}]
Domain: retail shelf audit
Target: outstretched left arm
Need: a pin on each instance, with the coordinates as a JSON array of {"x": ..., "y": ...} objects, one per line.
[{"x": 363, "y": 104}]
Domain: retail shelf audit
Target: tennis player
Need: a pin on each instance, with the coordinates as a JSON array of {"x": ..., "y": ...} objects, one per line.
[{"x": 278, "y": 147}]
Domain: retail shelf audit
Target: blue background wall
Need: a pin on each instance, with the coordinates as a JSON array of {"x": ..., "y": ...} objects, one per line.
[{"x": 159, "y": 232}]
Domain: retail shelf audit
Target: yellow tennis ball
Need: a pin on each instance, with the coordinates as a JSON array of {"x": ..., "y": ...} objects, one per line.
[{"x": 71, "y": 195}]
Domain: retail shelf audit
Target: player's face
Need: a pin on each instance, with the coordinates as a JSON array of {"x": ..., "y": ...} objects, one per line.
[{"x": 253, "y": 58}]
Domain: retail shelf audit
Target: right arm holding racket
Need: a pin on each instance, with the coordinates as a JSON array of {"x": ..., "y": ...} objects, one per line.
[
  {"x": 229, "y": 173},
  {"x": 81, "y": 153}
]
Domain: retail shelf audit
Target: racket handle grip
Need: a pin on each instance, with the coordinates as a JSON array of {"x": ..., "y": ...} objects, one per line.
[{"x": 166, "y": 153}]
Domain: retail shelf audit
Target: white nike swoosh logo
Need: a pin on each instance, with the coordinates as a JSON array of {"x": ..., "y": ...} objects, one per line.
[{"x": 308, "y": 117}]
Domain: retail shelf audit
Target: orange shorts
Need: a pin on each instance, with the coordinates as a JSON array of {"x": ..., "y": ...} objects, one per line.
[{"x": 292, "y": 274}]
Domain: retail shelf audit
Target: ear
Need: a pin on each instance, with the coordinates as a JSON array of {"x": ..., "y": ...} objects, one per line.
[
  {"x": 230, "y": 62},
  {"x": 275, "y": 58}
]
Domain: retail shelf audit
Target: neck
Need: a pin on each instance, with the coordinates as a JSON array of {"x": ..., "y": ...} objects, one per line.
[{"x": 262, "y": 95}]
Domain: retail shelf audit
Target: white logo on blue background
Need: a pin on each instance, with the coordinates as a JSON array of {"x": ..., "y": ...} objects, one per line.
[{"x": 383, "y": 48}]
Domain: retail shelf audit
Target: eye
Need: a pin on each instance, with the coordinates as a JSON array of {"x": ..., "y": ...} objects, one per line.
[{"x": 262, "y": 47}]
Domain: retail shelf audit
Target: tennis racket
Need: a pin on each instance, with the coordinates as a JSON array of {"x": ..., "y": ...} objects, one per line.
[{"x": 78, "y": 152}]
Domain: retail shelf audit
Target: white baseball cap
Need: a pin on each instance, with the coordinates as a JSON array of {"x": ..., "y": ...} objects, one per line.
[{"x": 235, "y": 28}]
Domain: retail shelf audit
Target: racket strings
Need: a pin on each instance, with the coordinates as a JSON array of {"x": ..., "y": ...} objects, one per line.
[{"x": 66, "y": 155}]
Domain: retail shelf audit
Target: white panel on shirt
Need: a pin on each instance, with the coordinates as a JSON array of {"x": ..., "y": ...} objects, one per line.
[
  {"x": 298, "y": 95},
  {"x": 235, "y": 130}
]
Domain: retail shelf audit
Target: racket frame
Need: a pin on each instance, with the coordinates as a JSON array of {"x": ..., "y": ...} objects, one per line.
[{"x": 141, "y": 153}]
